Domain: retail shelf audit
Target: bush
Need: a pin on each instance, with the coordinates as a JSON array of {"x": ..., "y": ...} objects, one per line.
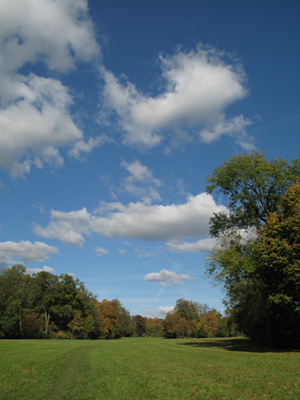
[{"x": 63, "y": 335}]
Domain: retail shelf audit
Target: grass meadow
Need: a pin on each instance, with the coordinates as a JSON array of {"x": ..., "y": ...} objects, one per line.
[{"x": 147, "y": 368}]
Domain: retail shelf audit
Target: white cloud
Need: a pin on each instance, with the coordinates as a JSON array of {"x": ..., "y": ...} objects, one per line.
[
  {"x": 57, "y": 32},
  {"x": 86, "y": 147},
  {"x": 167, "y": 278},
  {"x": 159, "y": 312},
  {"x": 34, "y": 111},
  {"x": 35, "y": 123},
  {"x": 67, "y": 227},
  {"x": 101, "y": 251},
  {"x": 200, "y": 245},
  {"x": 199, "y": 85},
  {"x": 136, "y": 220},
  {"x": 25, "y": 250},
  {"x": 36, "y": 270},
  {"x": 210, "y": 243},
  {"x": 141, "y": 182},
  {"x": 122, "y": 251},
  {"x": 234, "y": 127}
]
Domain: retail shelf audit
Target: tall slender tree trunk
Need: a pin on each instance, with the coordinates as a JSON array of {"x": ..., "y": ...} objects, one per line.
[{"x": 47, "y": 319}]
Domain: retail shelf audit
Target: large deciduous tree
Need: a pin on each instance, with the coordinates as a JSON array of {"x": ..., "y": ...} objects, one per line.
[
  {"x": 256, "y": 256},
  {"x": 251, "y": 187},
  {"x": 276, "y": 280}
]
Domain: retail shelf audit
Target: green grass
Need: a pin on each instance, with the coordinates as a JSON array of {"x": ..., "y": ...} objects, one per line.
[{"x": 143, "y": 368}]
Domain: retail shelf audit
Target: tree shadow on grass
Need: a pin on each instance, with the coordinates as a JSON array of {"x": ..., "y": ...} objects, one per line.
[{"x": 235, "y": 344}]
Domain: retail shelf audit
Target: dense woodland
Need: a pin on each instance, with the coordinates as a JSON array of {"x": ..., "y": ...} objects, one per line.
[
  {"x": 43, "y": 305},
  {"x": 256, "y": 259}
]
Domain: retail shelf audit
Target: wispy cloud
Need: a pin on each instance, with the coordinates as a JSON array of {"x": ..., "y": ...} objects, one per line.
[
  {"x": 100, "y": 251},
  {"x": 141, "y": 182}
]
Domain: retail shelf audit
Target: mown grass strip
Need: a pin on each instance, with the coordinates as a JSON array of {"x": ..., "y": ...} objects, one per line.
[{"x": 155, "y": 368}]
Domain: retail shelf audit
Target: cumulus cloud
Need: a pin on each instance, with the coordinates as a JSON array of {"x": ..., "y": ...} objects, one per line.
[
  {"x": 34, "y": 111},
  {"x": 159, "y": 312},
  {"x": 67, "y": 227},
  {"x": 167, "y": 278},
  {"x": 141, "y": 182},
  {"x": 198, "y": 86},
  {"x": 57, "y": 32},
  {"x": 135, "y": 220},
  {"x": 25, "y": 250},
  {"x": 100, "y": 251},
  {"x": 36, "y": 270},
  {"x": 35, "y": 124}
]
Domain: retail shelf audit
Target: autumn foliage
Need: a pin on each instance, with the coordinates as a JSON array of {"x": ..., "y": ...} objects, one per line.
[{"x": 191, "y": 319}]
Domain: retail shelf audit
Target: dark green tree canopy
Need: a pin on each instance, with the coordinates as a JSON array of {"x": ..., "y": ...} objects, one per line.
[{"x": 251, "y": 187}]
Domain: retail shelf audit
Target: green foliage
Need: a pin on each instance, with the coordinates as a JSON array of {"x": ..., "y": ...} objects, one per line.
[
  {"x": 45, "y": 305},
  {"x": 76, "y": 326},
  {"x": 276, "y": 280},
  {"x": 187, "y": 309},
  {"x": 139, "y": 325},
  {"x": 63, "y": 335},
  {"x": 89, "y": 325},
  {"x": 191, "y": 319},
  {"x": 231, "y": 263},
  {"x": 154, "y": 327},
  {"x": 252, "y": 186},
  {"x": 260, "y": 272},
  {"x": 207, "y": 326}
]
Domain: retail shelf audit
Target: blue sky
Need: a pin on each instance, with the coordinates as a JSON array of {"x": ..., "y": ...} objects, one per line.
[{"x": 112, "y": 116}]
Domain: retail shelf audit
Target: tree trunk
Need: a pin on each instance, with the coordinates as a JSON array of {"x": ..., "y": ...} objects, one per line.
[{"x": 47, "y": 319}]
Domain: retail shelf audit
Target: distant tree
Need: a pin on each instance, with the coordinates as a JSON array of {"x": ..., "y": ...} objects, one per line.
[
  {"x": 212, "y": 323},
  {"x": 42, "y": 295},
  {"x": 169, "y": 325},
  {"x": 182, "y": 327},
  {"x": 187, "y": 309},
  {"x": 207, "y": 326},
  {"x": 125, "y": 323},
  {"x": 76, "y": 325},
  {"x": 154, "y": 327},
  {"x": 33, "y": 326},
  {"x": 139, "y": 324},
  {"x": 111, "y": 316},
  {"x": 14, "y": 293},
  {"x": 89, "y": 325}
]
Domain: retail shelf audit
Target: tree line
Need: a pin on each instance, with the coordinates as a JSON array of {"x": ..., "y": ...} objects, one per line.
[
  {"x": 257, "y": 253},
  {"x": 191, "y": 319},
  {"x": 44, "y": 305}
]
